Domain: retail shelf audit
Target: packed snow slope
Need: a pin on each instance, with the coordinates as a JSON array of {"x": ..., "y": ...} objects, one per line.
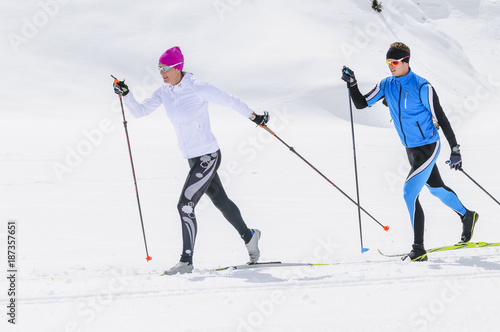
[{"x": 66, "y": 180}]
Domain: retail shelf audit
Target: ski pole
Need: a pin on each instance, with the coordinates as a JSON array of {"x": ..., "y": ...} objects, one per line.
[
  {"x": 148, "y": 258},
  {"x": 477, "y": 184},
  {"x": 386, "y": 228},
  {"x": 363, "y": 249}
]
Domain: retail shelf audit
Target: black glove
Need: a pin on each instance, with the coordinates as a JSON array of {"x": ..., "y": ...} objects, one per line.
[
  {"x": 121, "y": 88},
  {"x": 348, "y": 76},
  {"x": 455, "y": 158},
  {"x": 261, "y": 120}
]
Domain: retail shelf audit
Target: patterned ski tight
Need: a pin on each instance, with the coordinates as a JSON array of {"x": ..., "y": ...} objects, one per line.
[{"x": 203, "y": 178}]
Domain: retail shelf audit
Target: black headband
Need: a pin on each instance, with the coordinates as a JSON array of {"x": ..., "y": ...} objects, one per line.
[{"x": 396, "y": 53}]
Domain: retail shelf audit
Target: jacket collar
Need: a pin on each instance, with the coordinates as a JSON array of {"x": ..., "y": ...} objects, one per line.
[
  {"x": 406, "y": 78},
  {"x": 187, "y": 79}
]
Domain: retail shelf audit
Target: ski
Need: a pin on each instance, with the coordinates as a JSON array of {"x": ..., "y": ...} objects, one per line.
[
  {"x": 265, "y": 264},
  {"x": 392, "y": 255},
  {"x": 460, "y": 245}
]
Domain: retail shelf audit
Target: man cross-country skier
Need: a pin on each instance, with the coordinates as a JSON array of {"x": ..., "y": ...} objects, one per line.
[
  {"x": 414, "y": 106},
  {"x": 186, "y": 102}
]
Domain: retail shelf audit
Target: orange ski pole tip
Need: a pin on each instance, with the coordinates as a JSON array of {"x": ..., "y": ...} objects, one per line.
[
  {"x": 148, "y": 258},
  {"x": 386, "y": 228}
]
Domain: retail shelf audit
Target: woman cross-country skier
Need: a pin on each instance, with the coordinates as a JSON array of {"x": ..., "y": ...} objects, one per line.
[
  {"x": 414, "y": 105},
  {"x": 185, "y": 100}
]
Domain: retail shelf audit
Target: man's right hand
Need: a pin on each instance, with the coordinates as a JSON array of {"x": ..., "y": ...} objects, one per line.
[{"x": 348, "y": 76}]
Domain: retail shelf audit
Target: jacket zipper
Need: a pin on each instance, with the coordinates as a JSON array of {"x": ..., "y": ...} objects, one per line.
[
  {"x": 401, "y": 122},
  {"x": 179, "y": 122},
  {"x": 421, "y": 132}
]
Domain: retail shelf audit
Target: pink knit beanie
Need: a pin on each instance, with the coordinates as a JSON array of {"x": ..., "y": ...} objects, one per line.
[{"x": 171, "y": 57}]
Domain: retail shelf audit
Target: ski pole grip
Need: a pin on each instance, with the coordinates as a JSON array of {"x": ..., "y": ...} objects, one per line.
[{"x": 117, "y": 81}]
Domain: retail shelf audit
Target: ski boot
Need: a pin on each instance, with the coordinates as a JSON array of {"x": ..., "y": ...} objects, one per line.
[
  {"x": 469, "y": 220},
  {"x": 417, "y": 254},
  {"x": 181, "y": 268},
  {"x": 253, "y": 247}
]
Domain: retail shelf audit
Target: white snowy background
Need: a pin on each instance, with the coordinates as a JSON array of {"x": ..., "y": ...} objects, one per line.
[{"x": 65, "y": 174}]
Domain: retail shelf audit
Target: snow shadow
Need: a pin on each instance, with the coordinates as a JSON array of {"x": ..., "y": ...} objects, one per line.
[{"x": 479, "y": 261}]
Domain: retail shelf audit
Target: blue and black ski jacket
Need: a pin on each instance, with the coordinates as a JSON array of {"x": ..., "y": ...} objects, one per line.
[{"x": 413, "y": 103}]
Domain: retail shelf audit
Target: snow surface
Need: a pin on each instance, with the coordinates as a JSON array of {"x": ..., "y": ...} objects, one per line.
[{"x": 66, "y": 176}]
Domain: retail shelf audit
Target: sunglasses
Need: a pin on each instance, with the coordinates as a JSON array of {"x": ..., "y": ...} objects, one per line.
[
  {"x": 395, "y": 62},
  {"x": 167, "y": 68}
]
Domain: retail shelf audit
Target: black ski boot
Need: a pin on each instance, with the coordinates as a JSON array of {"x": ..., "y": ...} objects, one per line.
[
  {"x": 469, "y": 220},
  {"x": 417, "y": 254}
]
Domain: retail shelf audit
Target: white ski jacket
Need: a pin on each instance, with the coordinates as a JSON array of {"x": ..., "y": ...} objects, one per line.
[{"x": 186, "y": 105}]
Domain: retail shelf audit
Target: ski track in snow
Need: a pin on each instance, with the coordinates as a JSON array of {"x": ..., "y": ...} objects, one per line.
[{"x": 346, "y": 274}]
